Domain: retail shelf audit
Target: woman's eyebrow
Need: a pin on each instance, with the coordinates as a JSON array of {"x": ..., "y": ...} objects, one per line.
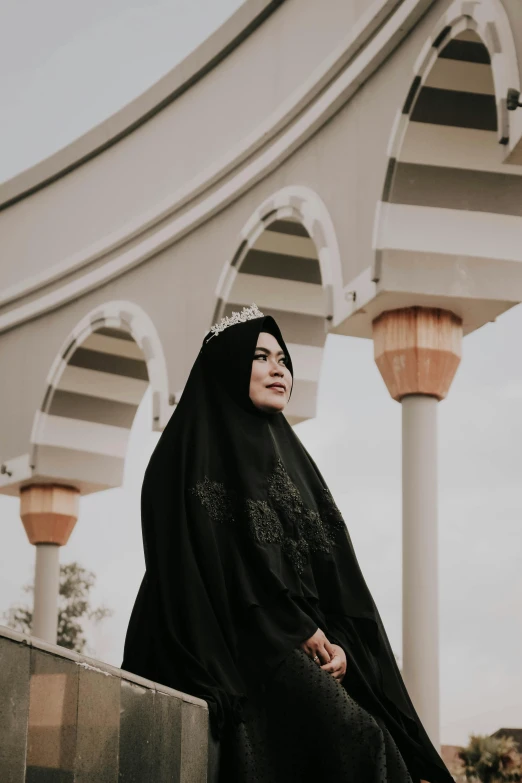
[{"x": 260, "y": 348}]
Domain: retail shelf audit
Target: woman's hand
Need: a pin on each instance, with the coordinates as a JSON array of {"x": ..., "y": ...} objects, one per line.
[
  {"x": 337, "y": 664},
  {"x": 318, "y": 647}
]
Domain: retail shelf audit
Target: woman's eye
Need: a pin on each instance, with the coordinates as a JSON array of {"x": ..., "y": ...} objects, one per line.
[{"x": 264, "y": 356}]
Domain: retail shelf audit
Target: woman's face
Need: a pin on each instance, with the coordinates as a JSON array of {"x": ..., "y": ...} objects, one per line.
[{"x": 271, "y": 381}]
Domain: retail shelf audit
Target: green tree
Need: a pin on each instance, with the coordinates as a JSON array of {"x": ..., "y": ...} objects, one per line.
[
  {"x": 74, "y": 608},
  {"x": 491, "y": 759}
]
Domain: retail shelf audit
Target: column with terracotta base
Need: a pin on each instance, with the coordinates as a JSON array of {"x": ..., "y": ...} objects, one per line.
[
  {"x": 417, "y": 351},
  {"x": 49, "y": 513}
]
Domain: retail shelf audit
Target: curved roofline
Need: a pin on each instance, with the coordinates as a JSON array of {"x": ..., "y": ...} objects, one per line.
[
  {"x": 280, "y": 125},
  {"x": 213, "y": 50},
  {"x": 346, "y": 69}
]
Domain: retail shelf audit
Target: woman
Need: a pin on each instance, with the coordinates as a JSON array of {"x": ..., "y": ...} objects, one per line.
[{"x": 253, "y": 598}]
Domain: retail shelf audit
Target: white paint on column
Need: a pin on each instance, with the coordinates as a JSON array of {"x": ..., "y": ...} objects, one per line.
[
  {"x": 420, "y": 559},
  {"x": 46, "y": 583}
]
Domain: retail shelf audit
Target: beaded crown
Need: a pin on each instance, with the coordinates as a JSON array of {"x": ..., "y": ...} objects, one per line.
[{"x": 246, "y": 314}]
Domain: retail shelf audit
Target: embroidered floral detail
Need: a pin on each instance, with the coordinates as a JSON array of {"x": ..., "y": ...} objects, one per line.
[
  {"x": 310, "y": 531},
  {"x": 297, "y": 551},
  {"x": 313, "y": 530},
  {"x": 215, "y": 498},
  {"x": 264, "y": 522},
  {"x": 330, "y": 511},
  {"x": 284, "y": 494},
  {"x": 316, "y": 528}
]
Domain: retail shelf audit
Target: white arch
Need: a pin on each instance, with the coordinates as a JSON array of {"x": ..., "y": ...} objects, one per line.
[
  {"x": 302, "y": 204},
  {"x": 127, "y": 317},
  {"x": 488, "y": 19}
]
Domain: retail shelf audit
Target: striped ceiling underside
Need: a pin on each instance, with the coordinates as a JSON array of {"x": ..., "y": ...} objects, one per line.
[
  {"x": 281, "y": 274},
  {"x": 87, "y": 417},
  {"x": 449, "y": 197}
]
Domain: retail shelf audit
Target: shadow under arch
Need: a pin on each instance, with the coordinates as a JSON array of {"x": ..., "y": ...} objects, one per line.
[
  {"x": 447, "y": 196},
  {"x": 288, "y": 263},
  {"x": 94, "y": 388}
]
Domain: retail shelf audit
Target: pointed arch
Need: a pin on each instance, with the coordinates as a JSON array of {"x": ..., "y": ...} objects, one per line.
[
  {"x": 287, "y": 261},
  {"x": 448, "y": 198},
  {"x": 94, "y": 388}
]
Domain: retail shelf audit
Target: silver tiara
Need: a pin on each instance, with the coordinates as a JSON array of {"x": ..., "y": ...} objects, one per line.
[{"x": 246, "y": 314}]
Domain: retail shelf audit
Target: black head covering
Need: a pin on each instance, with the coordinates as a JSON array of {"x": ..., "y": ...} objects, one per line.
[{"x": 247, "y": 554}]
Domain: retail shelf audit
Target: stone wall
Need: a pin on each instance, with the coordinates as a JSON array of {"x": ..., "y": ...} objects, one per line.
[{"x": 65, "y": 718}]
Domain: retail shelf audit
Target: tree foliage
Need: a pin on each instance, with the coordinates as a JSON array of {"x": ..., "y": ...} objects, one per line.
[
  {"x": 74, "y": 608},
  {"x": 491, "y": 760}
]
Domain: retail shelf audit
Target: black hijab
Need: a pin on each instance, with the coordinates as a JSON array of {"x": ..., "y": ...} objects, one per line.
[{"x": 247, "y": 554}]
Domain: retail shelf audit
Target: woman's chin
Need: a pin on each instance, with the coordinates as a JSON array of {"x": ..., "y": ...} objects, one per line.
[
  {"x": 277, "y": 408},
  {"x": 271, "y": 406}
]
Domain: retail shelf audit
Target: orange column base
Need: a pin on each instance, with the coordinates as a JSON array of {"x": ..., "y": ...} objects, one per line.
[
  {"x": 417, "y": 350},
  {"x": 49, "y": 512}
]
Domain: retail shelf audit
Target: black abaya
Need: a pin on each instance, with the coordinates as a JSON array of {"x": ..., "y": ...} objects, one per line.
[
  {"x": 305, "y": 727},
  {"x": 246, "y": 556}
]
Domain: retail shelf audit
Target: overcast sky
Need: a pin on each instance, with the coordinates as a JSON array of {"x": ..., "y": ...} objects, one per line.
[{"x": 70, "y": 65}]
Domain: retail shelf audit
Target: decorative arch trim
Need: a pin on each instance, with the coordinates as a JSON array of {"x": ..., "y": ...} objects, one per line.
[
  {"x": 488, "y": 21},
  {"x": 304, "y": 206},
  {"x": 94, "y": 387},
  {"x": 303, "y": 300}
]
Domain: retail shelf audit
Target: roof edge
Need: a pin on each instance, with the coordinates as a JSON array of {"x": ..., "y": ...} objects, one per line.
[{"x": 212, "y": 51}]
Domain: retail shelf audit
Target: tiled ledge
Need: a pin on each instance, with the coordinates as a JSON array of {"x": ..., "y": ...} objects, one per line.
[{"x": 67, "y": 717}]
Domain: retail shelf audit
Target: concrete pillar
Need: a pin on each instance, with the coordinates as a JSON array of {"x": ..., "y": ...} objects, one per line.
[
  {"x": 420, "y": 610},
  {"x": 417, "y": 351},
  {"x": 46, "y": 583},
  {"x": 49, "y": 513}
]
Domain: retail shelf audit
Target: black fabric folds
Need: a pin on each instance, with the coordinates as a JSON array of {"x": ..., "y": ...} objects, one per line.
[{"x": 247, "y": 554}]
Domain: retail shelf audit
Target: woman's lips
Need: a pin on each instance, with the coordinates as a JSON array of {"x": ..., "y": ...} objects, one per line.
[{"x": 277, "y": 387}]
